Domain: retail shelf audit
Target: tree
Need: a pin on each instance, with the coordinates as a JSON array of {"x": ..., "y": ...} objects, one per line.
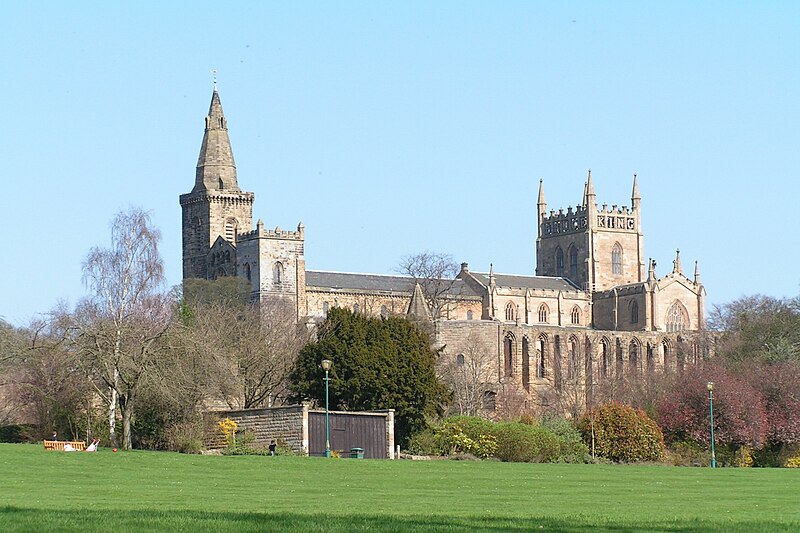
[
  {"x": 248, "y": 350},
  {"x": 378, "y": 363},
  {"x": 469, "y": 376},
  {"x": 125, "y": 315},
  {"x": 436, "y": 274},
  {"x": 740, "y": 418},
  {"x": 758, "y": 327}
]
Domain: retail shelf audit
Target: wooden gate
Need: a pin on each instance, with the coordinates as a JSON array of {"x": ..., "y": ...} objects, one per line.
[{"x": 349, "y": 430}]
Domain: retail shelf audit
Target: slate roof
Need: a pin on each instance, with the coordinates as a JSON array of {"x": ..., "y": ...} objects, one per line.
[
  {"x": 527, "y": 282},
  {"x": 348, "y": 281}
]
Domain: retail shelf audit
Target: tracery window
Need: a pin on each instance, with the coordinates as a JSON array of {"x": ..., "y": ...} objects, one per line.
[
  {"x": 677, "y": 318},
  {"x": 616, "y": 260},
  {"x": 509, "y": 311},
  {"x": 543, "y": 314},
  {"x": 559, "y": 262},
  {"x": 575, "y": 316}
]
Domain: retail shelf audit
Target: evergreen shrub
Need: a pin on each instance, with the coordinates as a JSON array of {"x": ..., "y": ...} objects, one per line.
[{"x": 622, "y": 433}]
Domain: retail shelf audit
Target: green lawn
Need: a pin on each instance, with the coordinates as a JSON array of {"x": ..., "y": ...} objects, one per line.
[{"x": 152, "y": 491}]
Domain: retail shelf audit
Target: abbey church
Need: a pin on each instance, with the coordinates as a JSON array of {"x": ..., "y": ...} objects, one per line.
[{"x": 594, "y": 310}]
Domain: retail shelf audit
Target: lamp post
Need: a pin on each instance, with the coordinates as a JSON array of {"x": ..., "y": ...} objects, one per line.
[
  {"x": 710, "y": 386},
  {"x": 326, "y": 366}
]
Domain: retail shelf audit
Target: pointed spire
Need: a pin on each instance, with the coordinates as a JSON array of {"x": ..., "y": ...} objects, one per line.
[
  {"x": 635, "y": 196},
  {"x": 696, "y": 274},
  {"x": 418, "y": 307},
  {"x": 651, "y": 271},
  {"x": 216, "y": 169},
  {"x": 676, "y": 264},
  {"x": 542, "y": 201},
  {"x": 492, "y": 280},
  {"x": 588, "y": 195}
]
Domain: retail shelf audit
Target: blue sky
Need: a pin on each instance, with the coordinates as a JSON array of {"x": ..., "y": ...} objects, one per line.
[{"x": 390, "y": 128}]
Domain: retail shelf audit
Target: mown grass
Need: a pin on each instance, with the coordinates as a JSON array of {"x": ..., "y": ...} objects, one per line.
[{"x": 151, "y": 491}]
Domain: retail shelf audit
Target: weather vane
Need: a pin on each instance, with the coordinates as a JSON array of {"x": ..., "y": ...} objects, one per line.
[{"x": 214, "y": 74}]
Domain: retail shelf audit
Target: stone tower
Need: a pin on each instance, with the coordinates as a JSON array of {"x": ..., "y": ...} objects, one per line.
[
  {"x": 595, "y": 248},
  {"x": 216, "y": 210}
]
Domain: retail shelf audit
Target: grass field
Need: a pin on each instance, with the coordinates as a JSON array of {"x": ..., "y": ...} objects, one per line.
[{"x": 158, "y": 491}]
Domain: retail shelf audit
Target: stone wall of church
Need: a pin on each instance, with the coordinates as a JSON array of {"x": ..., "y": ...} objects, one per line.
[
  {"x": 548, "y": 247},
  {"x": 603, "y": 244},
  {"x": 377, "y": 303}
]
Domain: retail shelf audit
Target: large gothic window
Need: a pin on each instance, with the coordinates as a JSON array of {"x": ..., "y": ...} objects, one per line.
[
  {"x": 559, "y": 262},
  {"x": 526, "y": 364},
  {"x": 634, "y": 313},
  {"x": 616, "y": 260},
  {"x": 573, "y": 263},
  {"x": 677, "y": 318},
  {"x": 508, "y": 355},
  {"x": 509, "y": 311},
  {"x": 543, "y": 314}
]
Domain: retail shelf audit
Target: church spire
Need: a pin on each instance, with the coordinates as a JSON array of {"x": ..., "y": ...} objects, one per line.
[
  {"x": 216, "y": 169},
  {"x": 636, "y": 198},
  {"x": 589, "y": 195}
]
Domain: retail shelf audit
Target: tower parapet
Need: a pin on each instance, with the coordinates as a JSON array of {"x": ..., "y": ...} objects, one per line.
[
  {"x": 621, "y": 218},
  {"x": 557, "y": 223}
]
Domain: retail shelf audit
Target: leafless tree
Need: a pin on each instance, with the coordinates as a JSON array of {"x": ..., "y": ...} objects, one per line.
[
  {"x": 469, "y": 376},
  {"x": 246, "y": 351},
  {"x": 436, "y": 274},
  {"x": 126, "y": 314}
]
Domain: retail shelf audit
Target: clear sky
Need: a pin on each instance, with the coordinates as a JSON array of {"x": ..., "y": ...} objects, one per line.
[{"x": 390, "y": 128}]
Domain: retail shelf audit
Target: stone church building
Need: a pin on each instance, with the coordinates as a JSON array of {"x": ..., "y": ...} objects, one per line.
[{"x": 595, "y": 309}]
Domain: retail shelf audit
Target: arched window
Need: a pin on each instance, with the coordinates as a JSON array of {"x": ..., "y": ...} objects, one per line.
[
  {"x": 559, "y": 262},
  {"x": 508, "y": 355},
  {"x": 460, "y": 359},
  {"x": 277, "y": 273},
  {"x": 666, "y": 360},
  {"x": 677, "y": 318},
  {"x": 616, "y": 260},
  {"x": 633, "y": 356},
  {"x": 509, "y": 311},
  {"x": 575, "y": 316},
  {"x": 384, "y": 311},
  {"x": 489, "y": 400},
  {"x": 469, "y": 314},
  {"x": 573, "y": 365},
  {"x": 540, "y": 357},
  {"x": 355, "y": 308},
  {"x": 573, "y": 263},
  {"x": 543, "y": 314},
  {"x": 526, "y": 364},
  {"x": 247, "y": 272},
  {"x": 620, "y": 361},
  {"x": 325, "y": 307},
  {"x": 557, "y": 369},
  {"x": 604, "y": 358},
  {"x": 231, "y": 227},
  {"x": 634, "y": 312}
]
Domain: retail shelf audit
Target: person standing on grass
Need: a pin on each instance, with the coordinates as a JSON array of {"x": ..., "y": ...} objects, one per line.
[{"x": 272, "y": 446}]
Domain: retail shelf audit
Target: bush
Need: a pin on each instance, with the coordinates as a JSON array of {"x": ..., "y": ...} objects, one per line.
[
  {"x": 622, "y": 433},
  {"x": 424, "y": 443},
  {"x": 518, "y": 442},
  {"x": 689, "y": 453},
  {"x": 186, "y": 437},
  {"x": 18, "y": 433},
  {"x": 466, "y": 435},
  {"x": 571, "y": 448}
]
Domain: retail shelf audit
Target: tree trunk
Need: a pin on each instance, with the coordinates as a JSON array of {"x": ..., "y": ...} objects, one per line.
[
  {"x": 126, "y": 406},
  {"x": 112, "y": 416}
]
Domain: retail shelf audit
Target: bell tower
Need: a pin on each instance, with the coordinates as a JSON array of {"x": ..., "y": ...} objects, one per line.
[{"x": 216, "y": 207}]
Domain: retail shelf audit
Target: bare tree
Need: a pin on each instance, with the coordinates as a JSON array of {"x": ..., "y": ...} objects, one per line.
[
  {"x": 469, "y": 376},
  {"x": 436, "y": 274},
  {"x": 246, "y": 351},
  {"x": 127, "y": 312}
]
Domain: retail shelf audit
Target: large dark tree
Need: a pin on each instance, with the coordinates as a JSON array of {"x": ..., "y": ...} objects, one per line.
[{"x": 378, "y": 363}]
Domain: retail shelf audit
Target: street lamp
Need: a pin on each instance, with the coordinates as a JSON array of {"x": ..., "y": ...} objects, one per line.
[
  {"x": 710, "y": 386},
  {"x": 326, "y": 366}
]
